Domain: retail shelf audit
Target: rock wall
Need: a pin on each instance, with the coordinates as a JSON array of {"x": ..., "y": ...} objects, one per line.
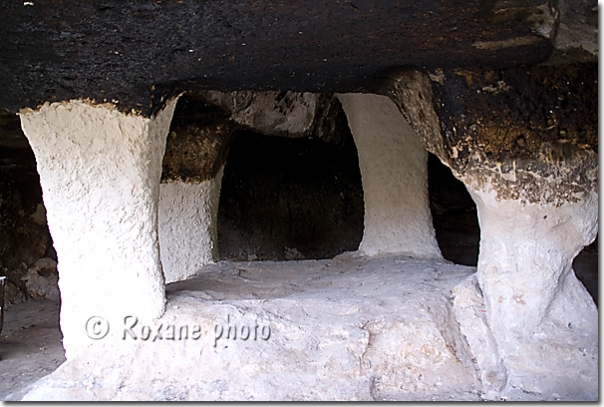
[
  {"x": 196, "y": 151},
  {"x": 286, "y": 114},
  {"x": 100, "y": 171}
]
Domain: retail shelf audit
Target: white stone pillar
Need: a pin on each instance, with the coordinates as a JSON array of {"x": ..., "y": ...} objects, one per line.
[
  {"x": 100, "y": 172},
  {"x": 188, "y": 215},
  {"x": 394, "y": 171},
  {"x": 543, "y": 319},
  {"x": 537, "y": 208}
]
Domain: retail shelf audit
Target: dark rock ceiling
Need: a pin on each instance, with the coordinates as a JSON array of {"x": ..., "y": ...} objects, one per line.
[{"x": 137, "y": 52}]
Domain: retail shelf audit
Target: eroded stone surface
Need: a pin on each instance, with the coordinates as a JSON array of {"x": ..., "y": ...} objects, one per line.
[
  {"x": 530, "y": 132},
  {"x": 525, "y": 147},
  {"x": 394, "y": 169},
  {"x": 286, "y": 114},
  {"x": 543, "y": 319},
  {"x": 187, "y": 223},
  {"x": 198, "y": 141},
  {"x": 41, "y": 280},
  {"x": 470, "y": 313},
  {"x": 100, "y": 171},
  {"x": 350, "y": 328},
  {"x": 572, "y": 26},
  {"x": 141, "y": 53}
]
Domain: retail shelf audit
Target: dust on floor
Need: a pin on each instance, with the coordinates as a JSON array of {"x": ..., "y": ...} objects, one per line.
[{"x": 30, "y": 346}]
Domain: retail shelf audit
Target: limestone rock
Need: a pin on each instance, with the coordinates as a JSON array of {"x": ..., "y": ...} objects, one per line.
[
  {"x": 350, "y": 328},
  {"x": 531, "y": 168},
  {"x": 287, "y": 114},
  {"x": 102, "y": 207},
  {"x": 42, "y": 280},
  {"x": 12, "y": 294},
  {"x": 470, "y": 313},
  {"x": 197, "y": 144}
]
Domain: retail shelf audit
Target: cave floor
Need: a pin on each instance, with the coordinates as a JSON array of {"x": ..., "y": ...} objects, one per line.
[
  {"x": 30, "y": 346},
  {"x": 347, "y": 328}
]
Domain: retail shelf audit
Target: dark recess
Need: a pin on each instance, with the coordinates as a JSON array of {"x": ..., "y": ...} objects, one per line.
[
  {"x": 22, "y": 240},
  {"x": 279, "y": 194}
]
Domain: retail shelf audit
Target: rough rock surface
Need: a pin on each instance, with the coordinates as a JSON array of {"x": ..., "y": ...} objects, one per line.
[
  {"x": 187, "y": 223},
  {"x": 470, "y": 313},
  {"x": 103, "y": 218},
  {"x": 141, "y": 53},
  {"x": 394, "y": 170},
  {"x": 525, "y": 130},
  {"x": 41, "y": 280},
  {"x": 349, "y": 328},
  {"x": 198, "y": 141},
  {"x": 289, "y": 114},
  {"x": 290, "y": 198},
  {"x": 343, "y": 329},
  {"x": 196, "y": 152},
  {"x": 24, "y": 235},
  {"x": 542, "y": 318},
  {"x": 30, "y": 347},
  {"x": 530, "y": 164}
]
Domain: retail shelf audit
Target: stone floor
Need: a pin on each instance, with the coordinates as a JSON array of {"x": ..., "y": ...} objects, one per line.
[
  {"x": 348, "y": 328},
  {"x": 30, "y": 346}
]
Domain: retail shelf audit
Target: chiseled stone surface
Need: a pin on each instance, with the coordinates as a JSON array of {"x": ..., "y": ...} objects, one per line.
[
  {"x": 349, "y": 328},
  {"x": 100, "y": 171},
  {"x": 394, "y": 170},
  {"x": 187, "y": 219}
]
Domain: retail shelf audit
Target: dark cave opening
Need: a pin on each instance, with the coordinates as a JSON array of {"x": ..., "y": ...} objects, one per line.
[
  {"x": 290, "y": 198},
  {"x": 24, "y": 234}
]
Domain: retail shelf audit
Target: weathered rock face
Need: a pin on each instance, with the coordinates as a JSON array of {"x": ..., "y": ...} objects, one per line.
[
  {"x": 140, "y": 53},
  {"x": 198, "y": 141},
  {"x": 458, "y": 232},
  {"x": 544, "y": 321},
  {"x": 524, "y": 144},
  {"x": 571, "y": 25},
  {"x": 539, "y": 123},
  {"x": 286, "y": 114},
  {"x": 41, "y": 280},
  {"x": 521, "y": 136},
  {"x": 196, "y": 151},
  {"x": 348, "y": 328}
]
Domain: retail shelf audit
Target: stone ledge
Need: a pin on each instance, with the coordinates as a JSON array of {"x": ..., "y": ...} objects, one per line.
[{"x": 349, "y": 328}]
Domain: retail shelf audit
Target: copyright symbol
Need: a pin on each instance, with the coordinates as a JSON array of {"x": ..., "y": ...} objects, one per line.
[{"x": 97, "y": 328}]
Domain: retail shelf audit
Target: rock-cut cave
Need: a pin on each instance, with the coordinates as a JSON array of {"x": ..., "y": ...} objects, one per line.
[{"x": 233, "y": 200}]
